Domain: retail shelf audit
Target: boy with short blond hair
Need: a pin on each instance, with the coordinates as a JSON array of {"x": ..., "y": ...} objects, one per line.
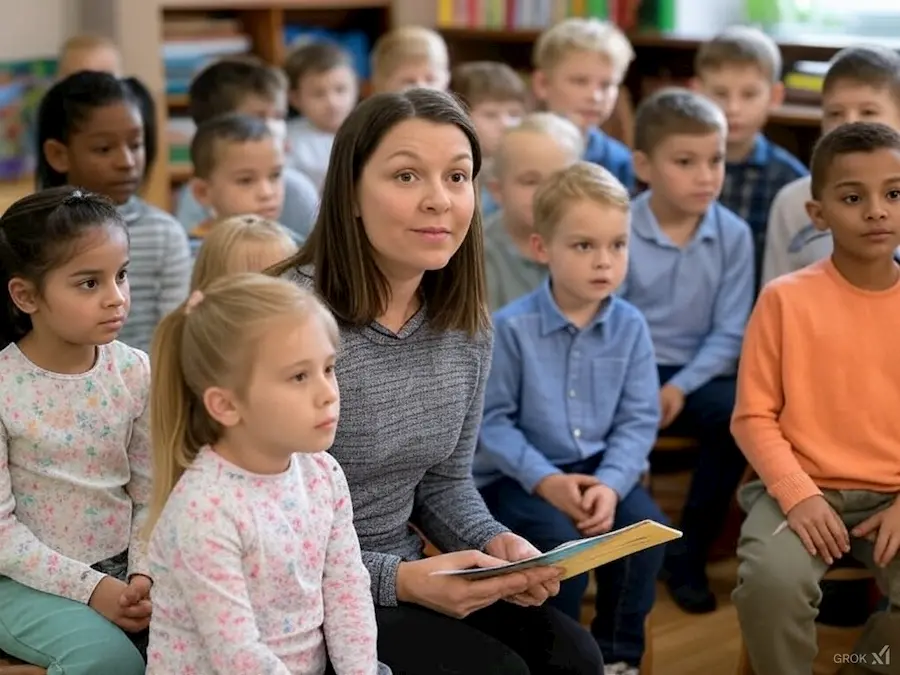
[
  {"x": 496, "y": 97},
  {"x": 527, "y": 155},
  {"x": 740, "y": 69},
  {"x": 691, "y": 274},
  {"x": 238, "y": 170},
  {"x": 862, "y": 84},
  {"x": 323, "y": 88},
  {"x": 579, "y": 65},
  {"x": 571, "y": 405},
  {"x": 816, "y": 415},
  {"x": 88, "y": 52},
  {"x": 408, "y": 57},
  {"x": 248, "y": 86}
]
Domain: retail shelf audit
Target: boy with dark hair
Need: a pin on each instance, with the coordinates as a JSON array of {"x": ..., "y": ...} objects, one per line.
[
  {"x": 862, "y": 85},
  {"x": 323, "y": 88},
  {"x": 691, "y": 274},
  {"x": 740, "y": 69},
  {"x": 816, "y": 415},
  {"x": 248, "y": 86}
]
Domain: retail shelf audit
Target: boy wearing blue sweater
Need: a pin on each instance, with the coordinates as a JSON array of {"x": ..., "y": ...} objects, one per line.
[
  {"x": 579, "y": 67},
  {"x": 691, "y": 274},
  {"x": 572, "y": 405}
]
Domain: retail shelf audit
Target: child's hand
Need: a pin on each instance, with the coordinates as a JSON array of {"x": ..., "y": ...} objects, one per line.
[
  {"x": 564, "y": 491},
  {"x": 671, "y": 403},
  {"x": 884, "y": 528},
  {"x": 105, "y": 600},
  {"x": 820, "y": 528},
  {"x": 135, "y": 599},
  {"x": 600, "y": 501}
]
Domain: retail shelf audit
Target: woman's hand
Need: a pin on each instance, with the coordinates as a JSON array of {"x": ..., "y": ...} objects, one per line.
[
  {"x": 457, "y": 596},
  {"x": 512, "y": 547}
]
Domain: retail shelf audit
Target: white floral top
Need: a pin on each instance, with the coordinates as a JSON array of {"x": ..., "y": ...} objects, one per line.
[
  {"x": 74, "y": 469},
  {"x": 259, "y": 575}
]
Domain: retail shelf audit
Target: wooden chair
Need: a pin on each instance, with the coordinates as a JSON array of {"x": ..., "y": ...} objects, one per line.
[{"x": 850, "y": 570}]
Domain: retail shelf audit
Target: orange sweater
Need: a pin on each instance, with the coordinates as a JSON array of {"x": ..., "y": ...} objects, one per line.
[{"x": 818, "y": 394}]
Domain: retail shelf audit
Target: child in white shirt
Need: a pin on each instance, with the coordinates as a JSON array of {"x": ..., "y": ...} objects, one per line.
[
  {"x": 74, "y": 441},
  {"x": 256, "y": 562},
  {"x": 323, "y": 89}
]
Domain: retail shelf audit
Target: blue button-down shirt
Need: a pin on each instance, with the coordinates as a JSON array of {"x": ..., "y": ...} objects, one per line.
[
  {"x": 557, "y": 395},
  {"x": 696, "y": 298},
  {"x": 750, "y": 187},
  {"x": 612, "y": 155}
]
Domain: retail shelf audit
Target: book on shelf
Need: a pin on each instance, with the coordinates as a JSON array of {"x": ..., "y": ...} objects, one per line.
[
  {"x": 537, "y": 14},
  {"x": 190, "y": 43}
]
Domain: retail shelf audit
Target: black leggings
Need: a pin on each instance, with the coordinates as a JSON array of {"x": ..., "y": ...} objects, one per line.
[{"x": 502, "y": 639}]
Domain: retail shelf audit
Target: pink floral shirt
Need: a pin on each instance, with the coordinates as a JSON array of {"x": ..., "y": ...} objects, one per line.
[
  {"x": 256, "y": 575},
  {"x": 74, "y": 469}
]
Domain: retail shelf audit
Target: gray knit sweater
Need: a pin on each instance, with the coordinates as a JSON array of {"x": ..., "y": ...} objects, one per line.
[{"x": 411, "y": 405}]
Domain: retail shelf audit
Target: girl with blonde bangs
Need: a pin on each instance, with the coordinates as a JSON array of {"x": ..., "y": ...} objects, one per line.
[
  {"x": 241, "y": 244},
  {"x": 255, "y": 560}
]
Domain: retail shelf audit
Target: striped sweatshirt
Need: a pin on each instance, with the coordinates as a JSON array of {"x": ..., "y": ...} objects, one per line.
[{"x": 159, "y": 272}]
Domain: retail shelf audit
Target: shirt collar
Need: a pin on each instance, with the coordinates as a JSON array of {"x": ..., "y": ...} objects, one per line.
[
  {"x": 552, "y": 319},
  {"x": 131, "y": 210},
  {"x": 596, "y": 145},
  {"x": 759, "y": 155},
  {"x": 646, "y": 226}
]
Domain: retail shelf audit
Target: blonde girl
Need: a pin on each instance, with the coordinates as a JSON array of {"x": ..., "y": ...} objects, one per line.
[
  {"x": 256, "y": 564},
  {"x": 241, "y": 244}
]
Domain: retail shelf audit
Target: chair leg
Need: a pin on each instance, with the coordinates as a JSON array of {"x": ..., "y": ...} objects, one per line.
[
  {"x": 744, "y": 666},
  {"x": 647, "y": 661}
]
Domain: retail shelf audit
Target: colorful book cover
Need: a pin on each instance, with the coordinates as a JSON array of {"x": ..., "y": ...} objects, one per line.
[{"x": 22, "y": 84}]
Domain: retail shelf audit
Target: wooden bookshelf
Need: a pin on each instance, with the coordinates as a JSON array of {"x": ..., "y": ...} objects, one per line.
[{"x": 660, "y": 58}]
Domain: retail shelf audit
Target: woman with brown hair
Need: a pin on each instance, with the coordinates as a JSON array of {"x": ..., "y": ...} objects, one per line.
[{"x": 397, "y": 256}]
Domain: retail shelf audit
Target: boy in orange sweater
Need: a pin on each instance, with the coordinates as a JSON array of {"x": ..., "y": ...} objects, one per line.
[{"x": 818, "y": 415}]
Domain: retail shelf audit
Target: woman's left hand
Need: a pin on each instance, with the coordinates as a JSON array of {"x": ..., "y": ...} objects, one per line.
[{"x": 512, "y": 547}]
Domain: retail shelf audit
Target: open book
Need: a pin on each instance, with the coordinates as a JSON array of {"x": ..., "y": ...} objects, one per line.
[{"x": 583, "y": 555}]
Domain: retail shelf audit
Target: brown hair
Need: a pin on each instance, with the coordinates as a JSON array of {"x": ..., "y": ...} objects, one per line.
[
  {"x": 228, "y": 128},
  {"x": 674, "y": 111},
  {"x": 876, "y": 67},
  {"x": 224, "y": 85},
  {"x": 239, "y": 244},
  {"x": 312, "y": 58},
  {"x": 582, "y": 35},
  {"x": 403, "y": 44},
  {"x": 346, "y": 273},
  {"x": 581, "y": 181},
  {"x": 856, "y": 137},
  {"x": 487, "y": 81},
  {"x": 209, "y": 341},
  {"x": 740, "y": 45}
]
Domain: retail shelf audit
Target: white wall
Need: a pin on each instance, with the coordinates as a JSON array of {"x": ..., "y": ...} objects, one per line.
[{"x": 35, "y": 28}]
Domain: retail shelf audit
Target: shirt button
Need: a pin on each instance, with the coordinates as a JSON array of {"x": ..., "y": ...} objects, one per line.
[
  {"x": 571, "y": 393},
  {"x": 577, "y": 433}
]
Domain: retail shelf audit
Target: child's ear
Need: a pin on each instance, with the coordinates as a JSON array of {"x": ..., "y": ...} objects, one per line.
[
  {"x": 814, "y": 211},
  {"x": 57, "y": 156},
  {"x": 23, "y": 294},
  {"x": 539, "y": 249},
  {"x": 539, "y": 85},
  {"x": 641, "y": 166},
  {"x": 777, "y": 96},
  {"x": 200, "y": 189},
  {"x": 221, "y": 405}
]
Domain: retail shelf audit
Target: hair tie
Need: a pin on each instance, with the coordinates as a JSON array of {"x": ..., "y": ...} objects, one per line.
[
  {"x": 74, "y": 197},
  {"x": 193, "y": 300}
]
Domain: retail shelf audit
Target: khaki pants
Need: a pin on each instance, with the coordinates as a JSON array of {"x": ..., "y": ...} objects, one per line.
[{"x": 778, "y": 594}]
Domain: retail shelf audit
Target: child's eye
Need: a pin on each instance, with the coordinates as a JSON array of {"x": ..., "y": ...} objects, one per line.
[
  {"x": 619, "y": 245},
  {"x": 276, "y": 175},
  {"x": 89, "y": 284},
  {"x": 122, "y": 275},
  {"x": 300, "y": 377},
  {"x": 582, "y": 246},
  {"x": 893, "y": 194},
  {"x": 329, "y": 369},
  {"x": 851, "y": 199}
]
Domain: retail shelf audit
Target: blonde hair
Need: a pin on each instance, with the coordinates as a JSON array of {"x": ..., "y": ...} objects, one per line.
[
  {"x": 562, "y": 130},
  {"x": 79, "y": 45},
  {"x": 239, "y": 244},
  {"x": 583, "y": 35},
  {"x": 210, "y": 341},
  {"x": 581, "y": 181},
  {"x": 740, "y": 45},
  {"x": 403, "y": 44}
]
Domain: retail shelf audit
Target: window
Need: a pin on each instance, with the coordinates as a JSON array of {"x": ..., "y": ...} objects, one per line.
[{"x": 870, "y": 18}]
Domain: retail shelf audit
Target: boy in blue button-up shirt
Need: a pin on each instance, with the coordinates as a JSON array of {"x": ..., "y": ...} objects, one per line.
[
  {"x": 572, "y": 405},
  {"x": 691, "y": 274}
]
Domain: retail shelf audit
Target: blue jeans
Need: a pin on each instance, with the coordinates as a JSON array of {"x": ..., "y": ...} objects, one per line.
[{"x": 626, "y": 588}]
